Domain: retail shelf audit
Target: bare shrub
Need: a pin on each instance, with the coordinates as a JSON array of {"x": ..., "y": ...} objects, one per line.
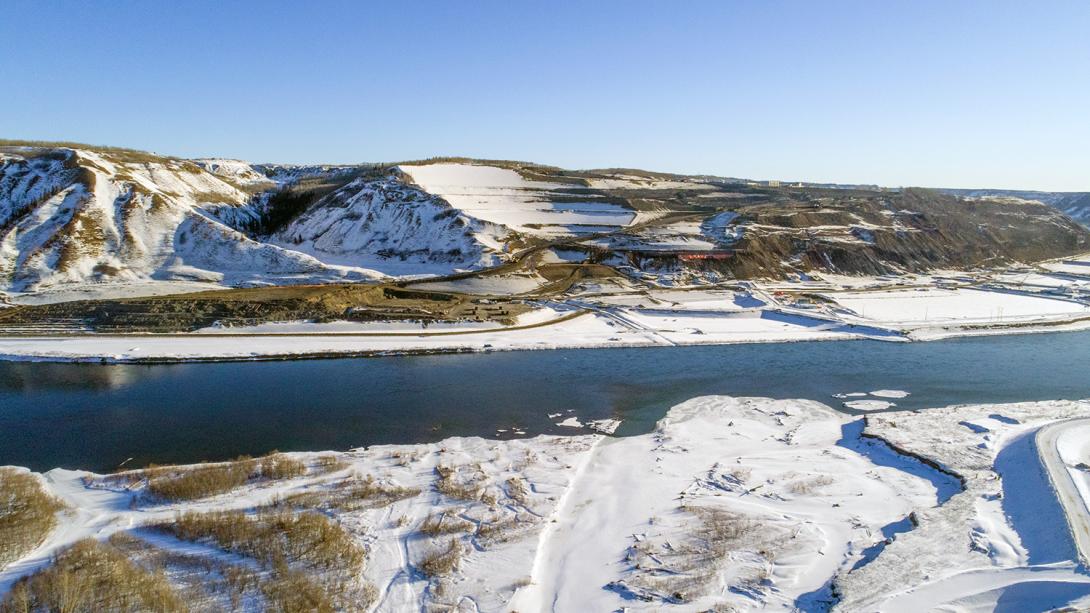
[
  {"x": 501, "y": 529},
  {"x": 680, "y": 572},
  {"x": 369, "y": 492},
  {"x": 27, "y": 514},
  {"x": 806, "y": 486},
  {"x": 272, "y": 536},
  {"x": 280, "y": 466},
  {"x": 177, "y": 483},
  {"x": 292, "y": 591},
  {"x": 444, "y": 523},
  {"x": 453, "y": 484},
  {"x": 314, "y": 563},
  {"x": 443, "y": 561},
  {"x": 203, "y": 581},
  {"x": 191, "y": 483},
  {"x": 296, "y": 591},
  {"x": 329, "y": 464},
  {"x": 92, "y": 576},
  {"x": 517, "y": 490},
  {"x": 350, "y": 494}
]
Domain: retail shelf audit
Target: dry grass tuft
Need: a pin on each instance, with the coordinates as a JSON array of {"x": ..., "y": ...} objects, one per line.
[
  {"x": 180, "y": 483},
  {"x": 803, "y": 487},
  {"x": 329, "y": 464},
  {"x": 455, "y": 483},
  {"x": 27, "y": 514},
  {"x": 681, "y": 572},
  {"x": 273, "y": 537},
  {"x": 93, "y": 576},
  {"x": 293, "y": 591},
  {"x": 280, "y": 466},
  {"x": 369, "y": 492},
  {"x": 445, "y": 523},
  {"x": 517, "y": 490},
  {"x": 191, "y": 483},
  {"x": 351, "y": 494},
  {"x": 442, "y": 562},
  {"x": 502, "y": 529},
  {"x": 314, "y": 562}
]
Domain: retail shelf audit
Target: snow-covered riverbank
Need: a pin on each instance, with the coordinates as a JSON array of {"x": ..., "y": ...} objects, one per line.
[
  {"x": 572, "y": 330},
  {"x": 729, "y": 502},
  {"x": 625, "y": 313}
]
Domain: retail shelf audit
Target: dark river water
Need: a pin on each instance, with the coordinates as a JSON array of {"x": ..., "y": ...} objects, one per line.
[{"x": 98, "y": 416}]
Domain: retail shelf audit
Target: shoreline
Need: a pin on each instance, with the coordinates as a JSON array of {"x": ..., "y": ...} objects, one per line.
[
  {"x": 880, "y": 503},
  {"x": 937, "y": 333}
]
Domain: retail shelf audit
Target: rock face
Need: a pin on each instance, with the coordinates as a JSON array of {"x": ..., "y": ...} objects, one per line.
[{"x": 72, "y": 214}]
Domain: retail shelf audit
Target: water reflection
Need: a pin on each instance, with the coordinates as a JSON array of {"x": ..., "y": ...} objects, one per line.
[{"x": 34, "y": 376}]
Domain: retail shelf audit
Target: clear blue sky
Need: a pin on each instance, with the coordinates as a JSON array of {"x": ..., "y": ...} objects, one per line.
[{"x": 957, "y": 94}]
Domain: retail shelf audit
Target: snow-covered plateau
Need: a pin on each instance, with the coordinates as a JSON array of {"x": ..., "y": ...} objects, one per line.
[{"x": 728, "y": 504}]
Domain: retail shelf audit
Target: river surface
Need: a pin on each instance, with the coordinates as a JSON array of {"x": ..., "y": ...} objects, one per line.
[{"x": 97, "y": 417}]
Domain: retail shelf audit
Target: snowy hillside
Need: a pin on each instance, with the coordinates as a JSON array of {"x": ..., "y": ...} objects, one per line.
[
  {"x": 78, "y": 220},
  {"x": 81, "y": 216},
  {"x": 388, "y": 225},
  {"x": 502, "y": 196}
]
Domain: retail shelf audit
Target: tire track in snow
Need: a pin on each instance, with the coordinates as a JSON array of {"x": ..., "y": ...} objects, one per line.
[{"x": 533, "y": 596}]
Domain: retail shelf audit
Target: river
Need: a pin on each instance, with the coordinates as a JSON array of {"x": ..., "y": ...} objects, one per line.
[{"x": 97, "y": 417}]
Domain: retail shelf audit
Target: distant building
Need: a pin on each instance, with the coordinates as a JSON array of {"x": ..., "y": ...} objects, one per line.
[{"x": 772, "y": 183}]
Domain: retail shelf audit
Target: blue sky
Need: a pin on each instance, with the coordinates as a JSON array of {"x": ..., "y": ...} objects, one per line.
[{"x": 955, "y": 94}]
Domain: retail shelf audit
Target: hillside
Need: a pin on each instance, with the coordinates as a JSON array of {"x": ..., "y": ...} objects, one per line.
[
  {"x": 1075, "y": 205},
  {"x": 75, "y": 216},
  {"x": 70, "y": 216}
]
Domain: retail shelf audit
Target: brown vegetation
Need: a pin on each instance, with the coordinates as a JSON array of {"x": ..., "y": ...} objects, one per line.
[
  {"x": 681, "y": 572},
  {"x": 329, "y": 464},
  {"x": 455, "y": 483},
  {"x": 279, "y": 466},
  {"x": 251, "y": 306},
  {"x": 27, "y": 514},
  {"x": 351, "y": 494},
  {"x": 444, "y": 523},
  {"x": 190, "y": 483},
  {"x": 442, "y": 561},
  {"x": 92, "y": 576},
  {"x": 273, "y": 537},
  {"x": 313, "y": 562}
]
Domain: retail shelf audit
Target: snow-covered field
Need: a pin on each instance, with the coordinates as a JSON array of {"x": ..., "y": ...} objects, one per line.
[
  {"x": 610, "y": 312},
  {"x": 1079, "y": 266},
  {"x": 562, "y": 328},
  {"x": 502, "y": 196},
  {"x": 931, "y": 305},
  {"x": 729, "y": 504},
  {"x": 1034, "y": 279}
]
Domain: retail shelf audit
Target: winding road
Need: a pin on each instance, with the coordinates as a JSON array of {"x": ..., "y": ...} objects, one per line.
[{"x": 1067, "y": 491}]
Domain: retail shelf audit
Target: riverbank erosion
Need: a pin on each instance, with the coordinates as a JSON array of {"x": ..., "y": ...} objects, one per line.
[{"x": 729, "y": 503}]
